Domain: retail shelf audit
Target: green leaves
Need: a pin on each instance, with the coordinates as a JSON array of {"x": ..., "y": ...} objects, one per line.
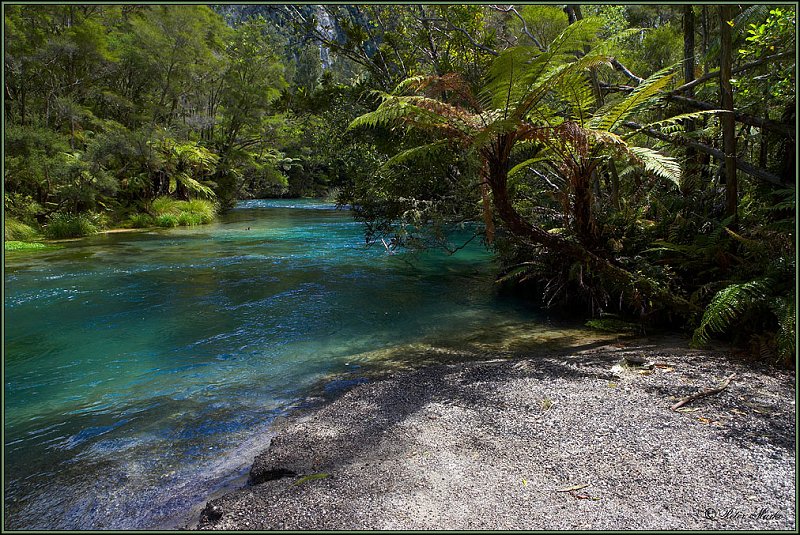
[
  {"x": 729, "y": 305},
  {"x": 644, "y": 93},
  {"x": 659, "y": 164}
]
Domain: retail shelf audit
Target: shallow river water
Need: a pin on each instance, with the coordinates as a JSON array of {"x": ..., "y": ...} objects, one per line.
[{"x": 142, "y": 369}]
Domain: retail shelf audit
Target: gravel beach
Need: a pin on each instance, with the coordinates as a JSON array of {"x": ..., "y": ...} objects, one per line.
[{"x": 553, "y": 441}]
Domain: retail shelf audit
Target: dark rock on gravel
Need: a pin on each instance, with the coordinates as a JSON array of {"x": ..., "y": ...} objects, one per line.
[{"x": 545, "y": 442}]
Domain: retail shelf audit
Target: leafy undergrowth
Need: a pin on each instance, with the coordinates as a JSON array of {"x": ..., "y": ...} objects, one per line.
[
  {"x": 61, "y": 226},
  {"x": 17, "y": 231}
]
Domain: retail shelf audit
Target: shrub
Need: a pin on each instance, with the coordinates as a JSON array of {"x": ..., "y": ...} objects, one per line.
[
  {"x": 62, "y": 226},
  {"x": 17, "y": 231}
]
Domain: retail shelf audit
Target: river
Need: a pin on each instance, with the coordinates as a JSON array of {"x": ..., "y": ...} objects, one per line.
[{"x": 142, "y": 369}]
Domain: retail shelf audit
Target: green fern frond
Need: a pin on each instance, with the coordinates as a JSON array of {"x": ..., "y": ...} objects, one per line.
[
  {"x": 519, "y": 272},
  {"x": 728, "y": 305},
  {"x": 555, "y": 80},
  {"x": 415, "y": 153},
  {"x": 612, "y": 43},
  {"x": 197, "y": 187},
  {"x": 675, "y": 120},
  {"x": 576, "y": 92},
  {"x": 658, "y": 164},
  {"x": 784, "y": 310},
  {"x": 520, "y": 167},
  {"x": 607, "y": 119},
  {"x": 576, "y": 36},
  {"x": 412, "y": 83}
]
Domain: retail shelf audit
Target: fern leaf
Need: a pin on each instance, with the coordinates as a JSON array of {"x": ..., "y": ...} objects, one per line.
[
  {"x": 576, "y": 36},
  {"x": 728, "y": 305},
  {"x": 646, "y": 91},
  {"x": 197, "y": 187},
  {"x": 658, "y": 164},
  {"x": 784, "y": 309},
  {"x": 415, "y": 153},
  {"x": 520, "y": 167}
]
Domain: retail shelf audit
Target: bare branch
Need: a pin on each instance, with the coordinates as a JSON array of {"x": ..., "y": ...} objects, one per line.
[
  {"x": 747, "y": 66},
  {"x": 743, "y": 166},
  {"x": 620, "y": 67},
  {"x": 512, "y": 9}
]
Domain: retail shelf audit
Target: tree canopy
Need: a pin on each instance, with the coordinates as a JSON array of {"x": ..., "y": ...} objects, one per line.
[{"x": 632, "y": 161}]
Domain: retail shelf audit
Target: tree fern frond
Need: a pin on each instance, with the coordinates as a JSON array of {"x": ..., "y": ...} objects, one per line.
[
  {"x": 667, "y": 126},
  {"x": 728, "y": 305},
  {"x": 412, "y": 83},
  {"x": 786, "y": 339},
  {"x": 418, "y": 112},
  {"x": 520, "y": 167},
  {"x": 576, "y": 36},
  {"x": 493, "y": 129},
  {"x": 555, "y": 80},
  {"x": 657, "y": 163},
  {"x": 422, "y": 151},
  {"x": 197, "y": 187},
  {"x": 519, "y": 272},
  {"x": 612, "y": 43},
  {"x": 505, "y": 72},
  {"x": 644, "y": 92},
  {"x": 576, "y": 92}
]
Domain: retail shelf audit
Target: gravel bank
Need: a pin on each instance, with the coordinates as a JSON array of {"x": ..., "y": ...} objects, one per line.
[{"x": 497, "y": 444}]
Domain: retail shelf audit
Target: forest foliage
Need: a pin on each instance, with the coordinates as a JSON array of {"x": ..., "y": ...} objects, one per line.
[{"x": 625, "y": 162}]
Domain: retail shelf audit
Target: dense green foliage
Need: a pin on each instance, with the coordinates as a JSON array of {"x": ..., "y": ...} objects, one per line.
[{"x": 566, "y": 138}]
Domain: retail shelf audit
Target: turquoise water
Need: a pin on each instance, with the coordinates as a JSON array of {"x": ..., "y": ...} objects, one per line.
[{"x": 142, "y": 369}]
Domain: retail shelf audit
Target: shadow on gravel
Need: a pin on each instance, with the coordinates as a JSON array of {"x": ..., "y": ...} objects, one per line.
[{"x": 385, "y": 405}]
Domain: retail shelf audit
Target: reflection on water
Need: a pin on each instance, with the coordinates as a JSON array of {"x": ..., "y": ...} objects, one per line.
[{"x": 142, "y": 369}]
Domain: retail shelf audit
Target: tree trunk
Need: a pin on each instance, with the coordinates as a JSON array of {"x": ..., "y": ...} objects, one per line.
[
  {"x": 688, "y": 76},
  {"x": 704, "y": 42},
  {"x": 639, "y": 288},
  {"x": 582, "y": 209},
  {"x": 728, "y": 126},
  {"x": 487, "y": 203}
]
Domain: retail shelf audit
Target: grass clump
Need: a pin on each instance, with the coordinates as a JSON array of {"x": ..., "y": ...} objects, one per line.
[
  {"x": 13, "y": 245},
  {"x": 188, "y": 219},
  {"x": 169, "y": 212},
  {"x": 18, "y": 231},
  {"x": 167, "y": 220},
  {"x": 141, "y": 220},
  {"x": 62, "y": 226}
]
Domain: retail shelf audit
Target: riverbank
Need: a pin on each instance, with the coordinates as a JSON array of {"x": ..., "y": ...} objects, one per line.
[{"x": 564, "y": 440}]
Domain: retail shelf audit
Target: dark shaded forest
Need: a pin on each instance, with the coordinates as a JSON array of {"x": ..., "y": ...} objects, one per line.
[{"x": 632, "y": 164}]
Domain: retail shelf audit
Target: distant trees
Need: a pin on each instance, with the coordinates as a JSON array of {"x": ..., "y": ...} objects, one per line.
[{"x": 108, "y": 107}]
